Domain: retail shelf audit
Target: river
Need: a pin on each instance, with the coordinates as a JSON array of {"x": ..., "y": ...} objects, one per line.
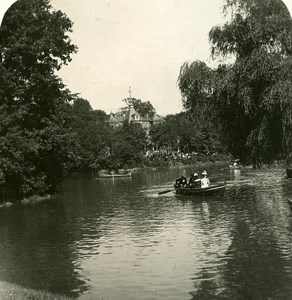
[{"x": 117, "y": 239}]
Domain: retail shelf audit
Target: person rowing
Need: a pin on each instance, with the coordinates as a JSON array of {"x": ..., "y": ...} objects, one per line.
[
  {"x": 195, "y": 181},
  {"x": 182, "y": 181}
]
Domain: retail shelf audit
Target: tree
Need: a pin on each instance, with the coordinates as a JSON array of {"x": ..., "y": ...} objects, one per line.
[
  {"x": 143, "y": 108},
  {"x": 253, "y": 95},
  {"x": 92, "y": 134},
  {"x": 196, "y": 82},
  {"x": 182, "y": 131},
  {"x": 248, "y": 100},
  {"x": 34, "y": 136},
  {"x": 127, "y": 147},
  {"x": 196, "y": 85}
]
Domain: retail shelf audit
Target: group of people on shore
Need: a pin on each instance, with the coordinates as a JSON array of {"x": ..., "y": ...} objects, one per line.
[{"x": 194, "y": 181}]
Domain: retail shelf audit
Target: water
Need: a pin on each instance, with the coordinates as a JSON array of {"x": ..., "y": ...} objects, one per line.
[{"x": 117, "y": 239}]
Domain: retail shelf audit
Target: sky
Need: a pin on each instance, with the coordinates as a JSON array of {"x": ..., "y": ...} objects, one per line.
[{"x": 135, "y": 43}]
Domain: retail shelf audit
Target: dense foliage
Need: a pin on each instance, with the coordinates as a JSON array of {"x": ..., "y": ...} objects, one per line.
[
  {"x": 196, "y": 83},
  {"x": 182, "y": 132},
  {"x": 91, "y": 134},
  {"x": 34, "y": 138},
  {"x": 127, "y": 147},
  {"x": 251, "y": 97},
  {"x": 99, "y": 146}
]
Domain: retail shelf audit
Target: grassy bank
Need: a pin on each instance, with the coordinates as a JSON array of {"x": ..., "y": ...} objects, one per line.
[{"x": 16, "y": 292}]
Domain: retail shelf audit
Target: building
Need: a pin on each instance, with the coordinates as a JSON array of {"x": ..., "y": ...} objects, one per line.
[{"x": 130, "y": 115}]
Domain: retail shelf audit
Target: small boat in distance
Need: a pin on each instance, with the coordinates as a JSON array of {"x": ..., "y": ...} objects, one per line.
[
  {"x": 211, "y": 190},
  {"x": 114, "y": 175}
]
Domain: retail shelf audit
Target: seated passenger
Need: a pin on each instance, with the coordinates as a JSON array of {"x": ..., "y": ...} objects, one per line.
[
  {"x": 236, "y": 162},
  {"x": 205, "y": 182},
  {"x": 195, "y": 181},
  {"x": 182, "y": 181}
]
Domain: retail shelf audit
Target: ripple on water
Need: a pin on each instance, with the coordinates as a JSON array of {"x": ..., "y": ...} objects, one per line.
[{"x": 120, "y": 240}]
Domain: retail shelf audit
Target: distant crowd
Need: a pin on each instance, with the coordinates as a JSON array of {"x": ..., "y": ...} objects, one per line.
[
  {"x": 168, "y": 155},
  {"x": 165, "y": 157}
]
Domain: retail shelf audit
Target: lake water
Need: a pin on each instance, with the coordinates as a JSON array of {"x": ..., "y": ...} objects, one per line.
[{"x": 117, "y": 239}]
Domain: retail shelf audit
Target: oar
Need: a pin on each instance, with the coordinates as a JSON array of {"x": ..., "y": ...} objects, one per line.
[{"x": 166, "y": 191}]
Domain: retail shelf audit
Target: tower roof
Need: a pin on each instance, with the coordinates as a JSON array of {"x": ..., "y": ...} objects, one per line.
[{"x": 113, "y": 120}]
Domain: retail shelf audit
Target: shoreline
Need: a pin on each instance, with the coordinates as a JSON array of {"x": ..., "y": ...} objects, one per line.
[
  {"x": 169, "y": 164},
  {"x": 17, "y": 292}
]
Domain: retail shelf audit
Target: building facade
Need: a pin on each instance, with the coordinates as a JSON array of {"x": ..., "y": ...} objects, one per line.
[{"x": 130, "y": 115}]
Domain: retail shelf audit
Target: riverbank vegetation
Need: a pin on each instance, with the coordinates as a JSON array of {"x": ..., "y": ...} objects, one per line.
[
  {"x": 242, "y": 107},
  {"x": 176, "y": 139}
]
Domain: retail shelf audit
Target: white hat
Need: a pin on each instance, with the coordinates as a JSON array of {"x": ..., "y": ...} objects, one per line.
[
  {"x": 204, "y": 173},
  {"x": 196, "y": 174}
]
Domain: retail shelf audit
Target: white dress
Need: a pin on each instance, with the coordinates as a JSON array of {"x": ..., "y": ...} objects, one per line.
[{"x": 205, "y": 182}]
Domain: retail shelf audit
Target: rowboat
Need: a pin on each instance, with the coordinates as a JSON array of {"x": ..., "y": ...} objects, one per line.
[
  {"x": 104, "y": 175},
  {"x": 211, "y": 190},
  {"x": 289, "y": 172}
]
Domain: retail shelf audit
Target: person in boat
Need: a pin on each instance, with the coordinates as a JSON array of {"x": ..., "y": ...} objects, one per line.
[
  {"x": 182, "y": 181},
  {"x": 236, "y": 163},
  {"x": 205, "y": 182},
  {"x": 195, "y": 181}
]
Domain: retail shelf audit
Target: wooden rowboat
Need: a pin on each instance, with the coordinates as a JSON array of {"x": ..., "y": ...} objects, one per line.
[
  {"x": 102, "y": 175},
  {"x": 211, "y": 190}
]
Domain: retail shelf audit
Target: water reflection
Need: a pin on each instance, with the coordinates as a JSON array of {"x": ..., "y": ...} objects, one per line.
[
  {"x": 37, "y": 248},
  {"x": 258, "y": 259},
  {"x": 118, "y": 239}
]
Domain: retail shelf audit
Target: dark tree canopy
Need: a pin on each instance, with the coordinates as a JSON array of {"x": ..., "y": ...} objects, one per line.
[
  {"x": 250, "y": 97},
  {"x": 34, "y": 137},
  {"x": 196, "y": 83},
  {"x": 91, "y": 132},
  {"x": 126, "y": 147},
  {"x": 182, "y": 131},
  {"x": 254, "y": 95},
  {"x": 255, "y": 24}
]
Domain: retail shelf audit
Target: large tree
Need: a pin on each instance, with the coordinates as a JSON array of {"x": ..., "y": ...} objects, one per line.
[
  {"x": 196, "y": 83},
  {"x": 249, "y": 98},
  {"x": 126, "y": 148},
  {"x": 253, "y": 96},
  {"x": 91, "y": 132},
  {"x": 34, "y": 140}
]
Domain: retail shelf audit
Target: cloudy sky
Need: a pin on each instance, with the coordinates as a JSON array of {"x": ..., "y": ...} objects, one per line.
[{"x": 137, "y": 43}]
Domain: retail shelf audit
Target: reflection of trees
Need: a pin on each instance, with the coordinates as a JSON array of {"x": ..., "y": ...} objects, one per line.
[
  {"x": 238, "y": 245},
  {"x": 257, "y": 263},
  {"x": 37, "y": 249}
]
